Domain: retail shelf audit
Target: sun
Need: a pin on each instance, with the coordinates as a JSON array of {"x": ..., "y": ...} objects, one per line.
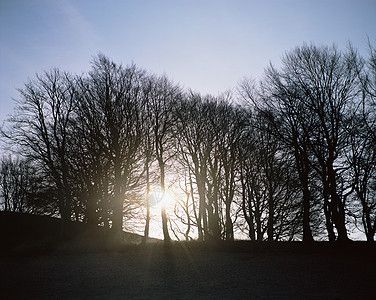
[{"x": 160, "y": 199}]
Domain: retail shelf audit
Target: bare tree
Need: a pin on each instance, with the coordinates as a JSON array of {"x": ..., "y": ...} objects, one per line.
[
  {"x": 322, "y": 85},
  {"x": 297, "y": 158},
  {"x": 23, "y": 189},
  {"x": 278, "y": 105},
  {"x": 361, "y": 156},
  {"x": 40, "y": 128},
  {"x": 118, "y": 94},
  {"x": 161, "y": 101},
  {"x": 89, "y": 156},
  {"x": 231, "y": 123},
  {"x": 193, "y": 138}
]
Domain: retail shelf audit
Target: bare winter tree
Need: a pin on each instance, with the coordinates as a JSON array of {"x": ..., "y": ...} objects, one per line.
[
  {"x": 322, "y": 85},
  {"x": 361, "y": 156},
  {"x": 40, "y": 129},
  {"x": 117, "y": 92},
  {"x": 148, "y": 145},
  {"x": 230, "y": 124},
  {"x": 22, "y": 189},
  {"x": 289, "y": 125},
  {"x": 268, "y": 184},
  {"x": 296, "y": 159},
  {"x": 163, "y": 95},
  {"x": 89, "y": 157}
]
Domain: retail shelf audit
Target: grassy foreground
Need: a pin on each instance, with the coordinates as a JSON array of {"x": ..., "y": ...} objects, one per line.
[
  {"x": 192, "y": 271},
  {"x": 240, "y": 270}
]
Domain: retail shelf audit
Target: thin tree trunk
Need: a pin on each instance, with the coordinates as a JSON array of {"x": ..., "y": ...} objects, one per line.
[
  {"x": 302, "y": 163},
  {"x": 270, "y": 230},
  {"x": 307, "y": 233},
  {"x": 117, "y": 221},
  {"x": 248, "y": 215},
  {"x": 147, "y": 223},
  {"x": 229, "y": 225},
  {"x": 166, "y": 235}
]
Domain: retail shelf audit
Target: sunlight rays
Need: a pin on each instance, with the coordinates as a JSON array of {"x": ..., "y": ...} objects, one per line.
[{"x": 160, "y": 199}]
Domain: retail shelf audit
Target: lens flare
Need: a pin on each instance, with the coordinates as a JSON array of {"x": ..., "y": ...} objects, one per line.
[{"x": 160, "y": 198}]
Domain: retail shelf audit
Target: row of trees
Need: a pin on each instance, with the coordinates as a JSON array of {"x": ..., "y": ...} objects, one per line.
[{"x": 292, "y": 157}]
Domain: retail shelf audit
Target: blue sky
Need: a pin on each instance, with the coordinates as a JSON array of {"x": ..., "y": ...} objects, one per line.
[{"x": 204, "y": 45}]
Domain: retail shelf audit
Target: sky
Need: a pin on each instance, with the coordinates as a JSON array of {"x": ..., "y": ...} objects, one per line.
[{"x": 208, "y": 46}]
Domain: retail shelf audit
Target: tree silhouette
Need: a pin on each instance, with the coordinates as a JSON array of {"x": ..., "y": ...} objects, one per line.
[{"x": 290, "y": 157}]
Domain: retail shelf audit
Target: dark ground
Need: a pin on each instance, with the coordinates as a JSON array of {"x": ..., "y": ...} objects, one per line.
[
  {"x": 39, "y": 259},
  {"x": 181, "y": 272}
]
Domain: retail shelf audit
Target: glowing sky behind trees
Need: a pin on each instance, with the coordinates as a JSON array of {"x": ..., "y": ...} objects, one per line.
[{"x": 204, "y": 45}]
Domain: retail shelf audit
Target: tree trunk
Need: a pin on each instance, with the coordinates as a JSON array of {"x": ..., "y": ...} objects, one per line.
[
  {"x": 117, "y": 220},
  {"x": 188, "y": 219},
  {"x": 202, "y": 206},
  {"x": 195, "y": 212},
  {"x": 166, "y": 235},
  {"x": 248, "y": 215},
  {"x": 370, "y": 236},
  {"x": 147, "y": 223},
  {"x": 327, "y": 206},
  {"x": 336, "y": 206},
  {"x": 258, "y": 223},
  {"x": 91, "y": 208},
  {"x": 328, "y": 220},
  {"x": 270, "y": 230},
  {"x": 302, "y": 163},
  {"x": 307, "y": 233},
  {"x": 229, "y": 225},
  {"x": 369, "y": 230}
]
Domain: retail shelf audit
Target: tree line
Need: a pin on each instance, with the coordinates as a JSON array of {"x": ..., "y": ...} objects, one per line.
[{"x": 291, "y": 157}]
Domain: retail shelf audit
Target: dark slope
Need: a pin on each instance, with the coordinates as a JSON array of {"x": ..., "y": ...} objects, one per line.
[
  {"x": 192, "y": 271},
  {"x": 63, "y": 268},
  {"x": 23, "y": 232}
]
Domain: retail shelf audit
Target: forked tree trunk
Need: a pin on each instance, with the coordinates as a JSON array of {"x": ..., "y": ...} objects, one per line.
[{"x": 337, "y": 209}]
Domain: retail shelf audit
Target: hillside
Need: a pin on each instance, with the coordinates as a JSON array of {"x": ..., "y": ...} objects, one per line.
[
  {"x": 194, "y": 271},
  {"x": 22, "y": 232},
  {"x": 43, "y": 261}
]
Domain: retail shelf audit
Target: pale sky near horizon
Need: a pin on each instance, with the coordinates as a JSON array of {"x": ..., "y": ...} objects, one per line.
[{"x": 208, "y": 46}]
